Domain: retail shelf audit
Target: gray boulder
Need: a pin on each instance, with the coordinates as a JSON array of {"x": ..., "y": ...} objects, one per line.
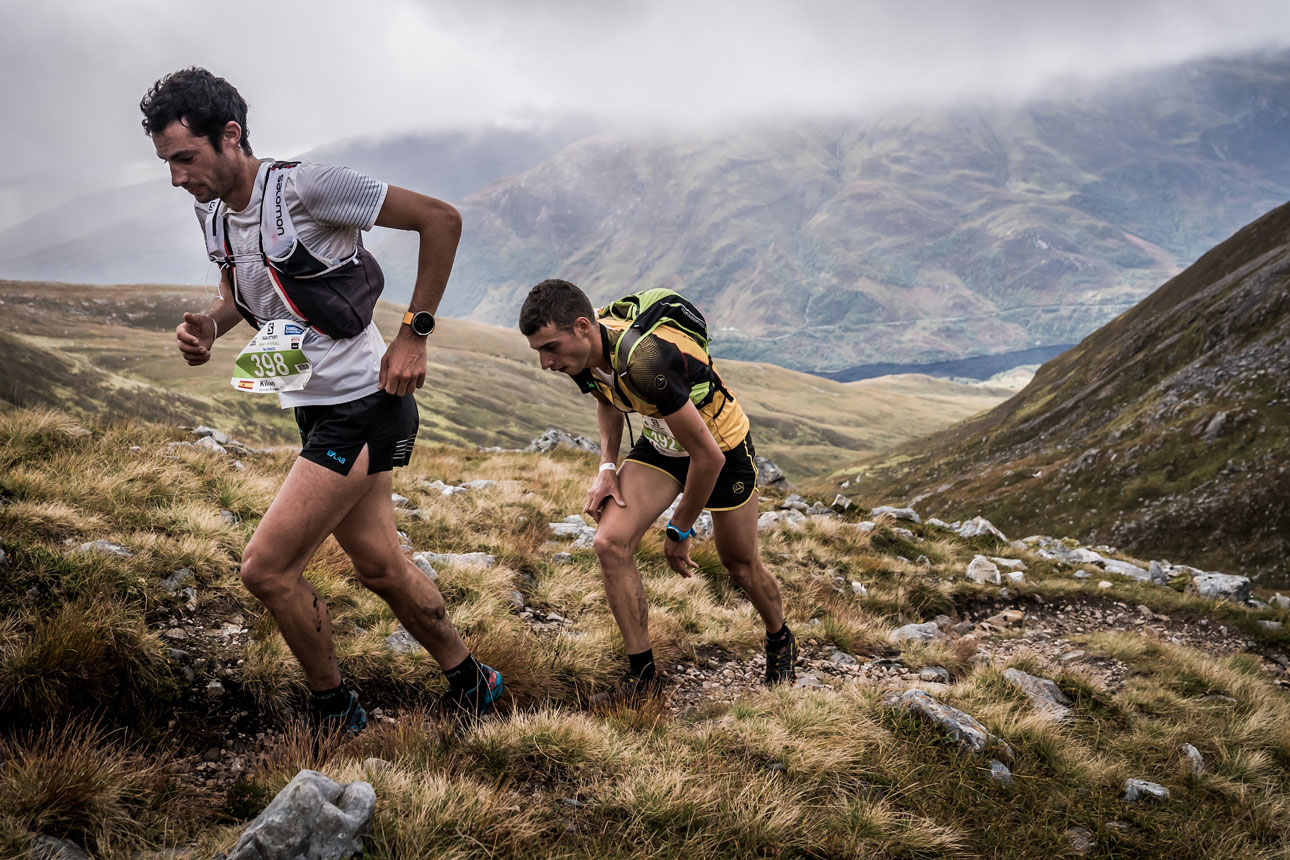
[
  {"x": 422, "y": 561},
  {"x": 906, "y": 514},
  {"x": 207, "y": 443},
  {"x": 573, "y": 526},
  {"x": 460, "y": 559},
  {"x": 781, "y": 519},
  {"x": 999, "y": 773},
  {"x": 982, "y": 570},
  {"x": 175, "y": 582},
  {"x": 1221, "y": 586},
  {"x": 1194, "y": 760},
  {"x": 553, "y": 438},
  {"x": 971, "y": 736},
  {"x": 978, "y": 526},
  {"x": 202, "y": 432},
  {"x": 402, "y": 642},
  {"x": 52, "y": 848},
  {"x": 1046, "y": 696},
  {"x": 314, "y": 817},
  {"x": 1124, "y": 568},
  {"x": 769, "y": 475}
]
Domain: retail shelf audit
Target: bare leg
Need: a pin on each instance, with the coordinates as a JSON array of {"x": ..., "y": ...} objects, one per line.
[
  {"x": 735, "y": 533},
  {"x": 368, "y": 536},
  {"x": 312, "y": 502},
  {"x": 647, "y": 492}
]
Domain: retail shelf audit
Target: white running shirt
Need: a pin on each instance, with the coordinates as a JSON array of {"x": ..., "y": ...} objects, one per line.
[{"x": 328, "y": 206}]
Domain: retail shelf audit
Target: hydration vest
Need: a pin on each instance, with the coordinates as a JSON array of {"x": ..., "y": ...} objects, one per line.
[
  {"x": 646, "y": 311},
  {"x": 335, "y": 297}
]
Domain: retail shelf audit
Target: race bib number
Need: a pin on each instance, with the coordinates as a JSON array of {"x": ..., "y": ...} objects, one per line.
[
  {"x": 273, "y": 360},
  {"x": 660, "y": 436}
]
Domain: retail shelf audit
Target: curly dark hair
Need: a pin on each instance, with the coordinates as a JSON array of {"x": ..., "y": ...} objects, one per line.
[
  {"x": 203, "y": 102},
  {"x": 557, "y": 302}
]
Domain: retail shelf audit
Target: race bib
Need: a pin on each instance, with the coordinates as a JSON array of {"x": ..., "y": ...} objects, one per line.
[
  {"x": 273, "y": 360},
  {"x": 660, "y": 436}
]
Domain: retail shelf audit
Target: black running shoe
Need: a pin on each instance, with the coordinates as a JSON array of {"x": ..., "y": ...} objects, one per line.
[
  {"x": 349, "y": 719},
  {"x": 629, "y": 692},
  {"x": 781, "y": 661},
  {"x": 476, "y": 701}
]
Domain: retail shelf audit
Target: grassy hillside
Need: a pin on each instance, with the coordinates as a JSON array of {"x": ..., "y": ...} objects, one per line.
[
  {"x": 137, "y": 717},
  {"x": 1166, "y": 430},
  {"x": 110, "y": 351}
]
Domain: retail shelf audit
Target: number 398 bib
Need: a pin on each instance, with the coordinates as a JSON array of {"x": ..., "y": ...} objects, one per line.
[{"x": 273, "y": 360}]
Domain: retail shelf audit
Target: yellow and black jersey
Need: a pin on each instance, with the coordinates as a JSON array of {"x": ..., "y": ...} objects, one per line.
[{"x": 667, "y": 367}]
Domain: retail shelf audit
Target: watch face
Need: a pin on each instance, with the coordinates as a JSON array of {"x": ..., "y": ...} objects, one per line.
[
  {"x": 673, "y": 533},
  {"x": 423, "y": 322}
]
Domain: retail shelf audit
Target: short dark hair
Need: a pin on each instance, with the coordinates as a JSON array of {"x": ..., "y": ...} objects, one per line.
[
  {"x": 556, "y": 302},
  {"x": 198, "y": 99}
]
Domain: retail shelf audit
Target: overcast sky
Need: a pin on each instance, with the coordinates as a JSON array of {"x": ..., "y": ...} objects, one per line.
[{"x": 72, "y": 73}]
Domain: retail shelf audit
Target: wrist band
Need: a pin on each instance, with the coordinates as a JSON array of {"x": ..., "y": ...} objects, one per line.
[
  {"x": 609, "y": 467},
  {"x": 216, "y": 326}
]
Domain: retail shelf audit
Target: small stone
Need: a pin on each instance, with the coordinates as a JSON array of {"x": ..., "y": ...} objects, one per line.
[
  {"x": 899, "y": 513},
  {"x": 516, "y": 599},
  {"x": 982, "y": 570},
  {"x": 401, "y": 501},
  {"x": 201, "y": 431},
  {"x": 1270, "y": 625},
  {"x": 211, "y": 755},
  {"x": 1046, "y": 696},
  {"x": 52, "y": 848},
  {"x": 175, "y": 582},
  {"x": 978, "y": 526},
  {"x": 229, "y": 518},
  {"x": 562, "y": 558},
  {"x": 1220, "y": 699},
  {"x": 999, "y": 773},
  {"x": 178, "y": 634},
  {"x": 1139, "y": 789},
  {"x": 1194, "y": 760},
  {"x": 808, "y": 680},
  {"x": 1104, "y": 584},
  {"x": 1279, "y": 601},
  {"x": 238, "y": 466},
  {"x": 926, "y": 632},
  {"x": 402, "y": 642},
  {"x": 842, "y": 658},
  {"x": 858, "y": 589},
  {"x": 934, "y": 674},
  {"x": 1080, "y": 839},
  {"x": 1071, "y": 655},
  {"x": 106, "y": 547},
  {"x": 214, "y": 689}
]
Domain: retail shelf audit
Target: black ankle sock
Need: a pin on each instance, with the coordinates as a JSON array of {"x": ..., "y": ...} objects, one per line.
[
  {"x": 465, "y": 674},
  {"x": 641, "y": 665},
  {"x": 329, "y": 700},
  {"x": 780, "y": 637}
]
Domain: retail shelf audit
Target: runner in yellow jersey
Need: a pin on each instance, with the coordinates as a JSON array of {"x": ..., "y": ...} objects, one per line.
[{"x": 647, "y": 354}]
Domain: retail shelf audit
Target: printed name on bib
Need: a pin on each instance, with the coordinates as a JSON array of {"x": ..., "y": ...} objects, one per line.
[{"x": 273, "y": 360}]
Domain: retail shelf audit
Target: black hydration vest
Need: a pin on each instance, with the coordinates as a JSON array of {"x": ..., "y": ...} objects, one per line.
[{"x": 333, "y": 297}]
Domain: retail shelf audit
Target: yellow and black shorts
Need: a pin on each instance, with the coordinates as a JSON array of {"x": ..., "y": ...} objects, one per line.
[{"x": 735, "y": 485}]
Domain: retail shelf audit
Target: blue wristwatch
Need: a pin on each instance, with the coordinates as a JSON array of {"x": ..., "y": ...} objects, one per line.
[{"x": 673, "y": 533}]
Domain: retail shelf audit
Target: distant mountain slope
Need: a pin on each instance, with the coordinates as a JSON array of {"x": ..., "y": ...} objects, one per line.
[
  {"x": 1168, "y": 429},
  {"x": 110, "y": 351},
  {"x": 913, "y": 237},
  {"x": 922, "y": 235}
]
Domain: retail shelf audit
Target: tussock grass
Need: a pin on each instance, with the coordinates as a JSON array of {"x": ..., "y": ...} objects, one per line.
[{"x": 80, "y": 782}]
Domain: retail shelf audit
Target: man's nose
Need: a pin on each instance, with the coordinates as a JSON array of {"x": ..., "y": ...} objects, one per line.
[{"x": 177, "y": 175}]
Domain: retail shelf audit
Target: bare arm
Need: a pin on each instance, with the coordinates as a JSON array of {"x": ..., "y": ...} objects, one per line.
[
  {"x": 605, "y": 487},
  {"x": 196, "y": 334},
  {"x": 403, "y": 368},
  {"x": 706, "y": 462}
]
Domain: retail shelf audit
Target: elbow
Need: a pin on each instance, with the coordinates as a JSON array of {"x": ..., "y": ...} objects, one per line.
[{"x": 449, "y": 220}]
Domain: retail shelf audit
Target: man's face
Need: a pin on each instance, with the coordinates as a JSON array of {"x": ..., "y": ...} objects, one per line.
[
  {"x": 195, "y": 165},
  {"x": 562, "y": 351}
]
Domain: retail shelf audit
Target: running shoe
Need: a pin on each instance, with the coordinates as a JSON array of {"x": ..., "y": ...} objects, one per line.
[
  {"x": 474, "y": 702},
  {"x": 349, "y": 719},
  {"x": 781, "y": 661},
  {"x": 630, "y": 692}
]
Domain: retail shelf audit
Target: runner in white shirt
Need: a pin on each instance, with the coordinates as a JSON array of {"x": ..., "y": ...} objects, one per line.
[{"x": 315, "y": 344}]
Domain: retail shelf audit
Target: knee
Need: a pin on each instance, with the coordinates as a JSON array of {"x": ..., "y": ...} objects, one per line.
[
  {"x": 612, "y": 550},
  {"x": 263, "y": 575},
  {"x": 742, "y": 571},
  {"x": 382, "y": 578}
]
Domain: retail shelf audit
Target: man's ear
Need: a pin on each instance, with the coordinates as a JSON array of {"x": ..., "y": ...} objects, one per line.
[
  {"x": 232, "y": 135},
  {"x": 582, "y": 326}
]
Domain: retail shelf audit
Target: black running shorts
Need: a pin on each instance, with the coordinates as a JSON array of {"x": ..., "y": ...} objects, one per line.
[
  {"x": 334, "y": 435},
  {"x": 735, "y": 485}
]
